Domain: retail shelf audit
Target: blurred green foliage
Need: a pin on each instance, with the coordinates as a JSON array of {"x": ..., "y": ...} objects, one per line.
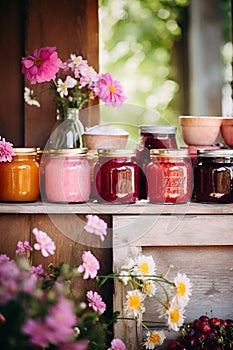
[{"x": 136, "y": 41}]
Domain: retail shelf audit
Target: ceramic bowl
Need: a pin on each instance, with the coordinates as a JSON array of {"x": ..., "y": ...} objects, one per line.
[
  {"x": 200, "y": 130},
  {"x": 227, "y": 130},
  {"x": 105, "y": 137}
]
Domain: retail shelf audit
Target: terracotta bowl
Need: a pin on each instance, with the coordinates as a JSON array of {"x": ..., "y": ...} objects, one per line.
[
  {"x": 227, "y": 130},
  {"x": 200, "y": 131},
  {"x": 104, "y": 137}
]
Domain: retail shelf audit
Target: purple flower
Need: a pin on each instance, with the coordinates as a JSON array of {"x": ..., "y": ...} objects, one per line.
[
  {"x": 109, "y": 90},
  {"x": 96, "y": 302},
  {"x": 23, "y": 247},
  {"x": 96, "y": 226},
  {"x": 44, "y": 243},
  {"x": 6, "y": 151},
  {"x": 79, "y": 345},
  {"x": 90, "y": 265},
  {"x": 4, "y": 258},
  {"x": 117, "y": 344},
  {"x": 42, "y": 65},
  {"x": 38, "y": 270}
]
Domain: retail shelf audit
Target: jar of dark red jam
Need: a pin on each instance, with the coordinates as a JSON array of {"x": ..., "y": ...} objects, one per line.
[
  {"x": 116, "y": 176},
  {"x": 169, "y": 176},
  {"x": 20, "y": 177},
  {"x": 152, "y": 137},
  {"x": 67, "y": 176},
  {"x": 213, "y": 176}
]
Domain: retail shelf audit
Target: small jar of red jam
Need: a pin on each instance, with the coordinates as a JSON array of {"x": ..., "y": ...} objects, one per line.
[
  {"x": 169, "y": 176},
  {"x": 152, "y": 137},
  {"x": 116, "y": 176},
  {"x": 67, "y": 176},
  {"x": 20, "y": 177},
  {"x": 213, "y": 176}
]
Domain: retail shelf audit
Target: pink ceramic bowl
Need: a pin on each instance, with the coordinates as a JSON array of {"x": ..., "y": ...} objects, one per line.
[
  {"x": 227, "y": 130},
  {"x": 200, "y": 130}
]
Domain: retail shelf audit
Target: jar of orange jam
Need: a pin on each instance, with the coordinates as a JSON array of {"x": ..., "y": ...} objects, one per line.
[{"x": 19, "y": 179}]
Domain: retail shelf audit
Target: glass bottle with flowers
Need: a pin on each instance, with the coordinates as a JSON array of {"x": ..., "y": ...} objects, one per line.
[{"x": 75, "y": 83}]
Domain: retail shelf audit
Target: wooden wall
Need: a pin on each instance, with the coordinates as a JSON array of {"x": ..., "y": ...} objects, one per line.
[{"x": 71, "y": 26}]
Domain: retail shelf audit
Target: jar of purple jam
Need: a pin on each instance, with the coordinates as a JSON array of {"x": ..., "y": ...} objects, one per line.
[
  {"x": 213, "y": 176},
  {"x": 152, "y": 137},
  {"x": 116, "y": 176}
]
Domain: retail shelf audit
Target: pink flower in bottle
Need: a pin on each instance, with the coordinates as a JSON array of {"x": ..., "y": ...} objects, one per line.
[
  {"x": 117, "y": 344},
  {"x": 96, "y": 302},
  {"x": 109, "y": 90},
  {"x": 96, "y": 226},
  {"x": 6, "y": 151},
  {"x": 42, "y": 65},
  {"x": 90, "y": 265},
  {"x": 44, "y": 243}
]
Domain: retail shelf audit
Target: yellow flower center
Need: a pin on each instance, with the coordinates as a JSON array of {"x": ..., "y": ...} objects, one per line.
[
  {"x": 134, "y": 302},
  {"x": 112, "y": 89},
  {"x": 144, "y": 268},
  {"x": 154, "y": 338},
  {"x": 175, "y": 316},
  {"x": 38, "y": 61},
  {"x": 148, "y": 287},
  {"x": 63, "y": 86},
  {"x": 181, "y": 289},
  {"x": 88, "y": 263}
]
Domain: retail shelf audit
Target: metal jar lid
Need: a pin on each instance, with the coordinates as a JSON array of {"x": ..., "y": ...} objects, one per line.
[
  {"x": 157, "y": 129},
  {"x": 68, "y": 152},
  {"x": 116, "y": 152},
  {"x": 25, "y": 151},
  {"x": 216, "y": 153},
  {"x": 178, "y": 153}
]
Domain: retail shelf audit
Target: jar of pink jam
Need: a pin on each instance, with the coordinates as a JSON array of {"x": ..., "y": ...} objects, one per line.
[
  {"x": 152, "y": 137},
  {"x": 67, "y": 176},
  {"x": 169, "y": 176},
  {"x": 116, "y": 176}
]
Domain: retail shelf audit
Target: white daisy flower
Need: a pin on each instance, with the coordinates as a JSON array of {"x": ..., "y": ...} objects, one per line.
[
  {"x": 145, "y": 266},
  {"x": 126, "y": 268},
  {"x": 183, "y": 289},
  {"x": 134, "y": 306},
  {"x": 154, "y": 339},
  {"x": 63, "y": 86},
  {"x": 175, "y": 315},
  {"x": 30, "y": 98},
  {"x": 149, "y": 288}
]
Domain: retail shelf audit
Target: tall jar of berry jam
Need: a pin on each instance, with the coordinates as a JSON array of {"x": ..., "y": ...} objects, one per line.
[
  {"x": 152, "y": 137},
  {"x": 20, "y": 177},
  {"x": 67, "y": 176},
  {"x": 169, "y": 176},
  {"x": 213, "y": 176},
  {"x": 116, "y": 176}
]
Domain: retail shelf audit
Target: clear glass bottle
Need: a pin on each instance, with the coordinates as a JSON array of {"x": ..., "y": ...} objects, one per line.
[
  {"x": 152, "y": 137},
  {"x": 67, "y": 176},
  {"x": 116, "y": 176},
  {"x": 169, "y": 176},
  {"x": 20, "y": 177},
  {"x": 213, "y": 176}
]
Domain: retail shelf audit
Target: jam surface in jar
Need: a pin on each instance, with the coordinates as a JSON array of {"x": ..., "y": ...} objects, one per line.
[
  {"x": 213, "y": 176},
  {"x": 116, "y": 176},
  {"x": 67, "y": 176},
  {"x": 152, "y": 137},
  {"x": 169, "y": 177},
  {"x": 20, "y": 177}
]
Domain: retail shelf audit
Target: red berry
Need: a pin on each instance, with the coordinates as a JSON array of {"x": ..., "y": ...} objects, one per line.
[
  {"x": 173, "y": 344},
  {"x": 214, "y": 321},
  {"x": 196, "y": 323},
  {"x": 204, "y": 318},
  {"x": 204, "y": 328},
  {"x": 223, "y": 322}
]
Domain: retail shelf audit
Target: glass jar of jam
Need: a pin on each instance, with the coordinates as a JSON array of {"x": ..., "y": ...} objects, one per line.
[
  {"x": 152, "y": 137},
  {"x": 169, "y": 176},
  {"x": 116, "y": 176},
  {"x": 67, "y": 176},
  {"x": 20, "y": 177},
  {"x": 213, "y": 176}
]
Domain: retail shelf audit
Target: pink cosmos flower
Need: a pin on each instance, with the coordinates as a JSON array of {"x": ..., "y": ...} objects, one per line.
[
  {"x": 6, "y": 151},
  {"x": 96, "y": 226},
  {"x": 117, "y": 344},
  {"x": 96, "y": 302},
  {"x": 38, "y": 270},
  {"x": 42, "y": 65},
  {"x": 44, "y": 243},
  {"x": 90, "y": 265},
  {"x": 109, "y": 90},
  {"x": 23, "y": 248}
]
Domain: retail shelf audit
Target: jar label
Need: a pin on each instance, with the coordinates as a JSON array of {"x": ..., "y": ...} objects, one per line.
[{"x": 175, "y": 180}]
